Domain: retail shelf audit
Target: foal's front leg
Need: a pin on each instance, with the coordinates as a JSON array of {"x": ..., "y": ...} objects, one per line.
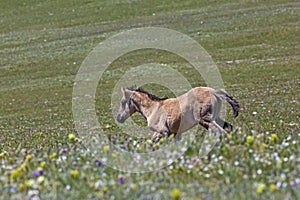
[{"x": 157, "y": 136}]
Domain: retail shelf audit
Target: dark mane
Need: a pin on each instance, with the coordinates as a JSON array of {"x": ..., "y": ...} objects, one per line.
[{"x": 151, "y": 96}]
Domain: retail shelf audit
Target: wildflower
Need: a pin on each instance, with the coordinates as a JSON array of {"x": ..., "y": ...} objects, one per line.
[
  {"x": 133, "y": 187},
  {"x": 121, "y": 180},
  {"x": 30, "y": 183},
  {"x": 249, "y": 139},
  {"x": 274, "y": 137},
  {"x": 71, "y": 137},
  {"x": 3, "y": 154},
  {"x": 99, "y": 195},
  {"x": 53, "y": 155},
  {"x": 99, "y": 163},
  {"x": 16, "y": 173},
  {"x": 74, "y": 173},
  {"x": 157, "y": 145},
  {"x": 106, "y": 148},
  {"x": 293, "y": 183},
  {"x": 162, "y": 140},
  {"x": 104, "y": 189},
  {"x": 273, "y": 188},
  {"x": 68, "y": 187},
  {"x": 175, "y": 193},
  {"x": 139, "y": 149},
  {"x": 64, "y": 150},
  {"x": 41, "y": 179},
  {"x": 24, "y": 166},
  {"x": 260, "y": 188},
  {"x": 42, "y": 165},
  {"x": 21, "y": 186},
  {"x": 149, "y": 142},
  {"x": 36, "y": 173},
  {"x": 263, "y": 145},
  {"x": 28, "y": 158}
]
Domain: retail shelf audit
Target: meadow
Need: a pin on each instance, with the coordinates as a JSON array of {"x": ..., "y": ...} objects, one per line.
[{"x": 255, "y": 45}]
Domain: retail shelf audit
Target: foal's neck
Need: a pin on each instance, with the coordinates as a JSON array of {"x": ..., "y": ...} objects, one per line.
[{"x": 145, "y": 105}]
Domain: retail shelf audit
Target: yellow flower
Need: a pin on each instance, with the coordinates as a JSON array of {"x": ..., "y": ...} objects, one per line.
[
  {"x": 175, "y": 193},
  {"x": 264, "y": 145},
  {"x": 42, "y": 165},
  {"x": 139, "y": 149},
  {"x": 104, "y": 189},
  {"x": 273, "y": 188},
  {"x": 29, "y": 158},
  {"x": 106, "y": 148},
  {"x": 99, "y": 194},
  {"x": 260, "y": 188},
  {"x": 74, "y": 173},
  {"x": 53, "y": 155},
  {"x": 162, "y": 140},
  {"x": 133, "y": 187},
  {"x": 274, "y": 137},
  {"x": 21, "y": 186},
  {"x": 71, "y": 137},
  {"x": 2, "y": 155},
  {"x": 157, "y": 145},
  {"x": 249, "y": 139},
  {"x": 39, "y": 168},
  {"x": 24, "y": 166},
  {"x": 16, "y": 173},
  {"x": 113, "y": 155},
  {"x": 26, "y": 183}
]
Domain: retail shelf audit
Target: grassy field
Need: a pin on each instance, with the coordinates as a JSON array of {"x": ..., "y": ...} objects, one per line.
[{"x": 256, "y": 46}]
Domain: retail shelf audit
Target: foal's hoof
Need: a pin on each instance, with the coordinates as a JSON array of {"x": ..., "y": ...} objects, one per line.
[
  {"x": 157, "y": 136},
  {"x": 155, "y": 139},
  {"x": 228, "y": 127}
]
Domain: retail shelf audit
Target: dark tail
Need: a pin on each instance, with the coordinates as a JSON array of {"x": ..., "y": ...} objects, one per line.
[{"x": 234, "y": 103}]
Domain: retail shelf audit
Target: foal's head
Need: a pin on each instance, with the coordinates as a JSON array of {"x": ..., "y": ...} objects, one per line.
[
  {"x": 133, "y": 99},
  {"x": 127, "y": 107}
]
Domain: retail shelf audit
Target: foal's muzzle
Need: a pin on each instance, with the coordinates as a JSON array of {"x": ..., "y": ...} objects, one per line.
[{"x": 120, "y": 119}]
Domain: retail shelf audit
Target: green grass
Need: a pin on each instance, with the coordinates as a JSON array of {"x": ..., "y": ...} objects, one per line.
[{"x": 255, "y": 44}]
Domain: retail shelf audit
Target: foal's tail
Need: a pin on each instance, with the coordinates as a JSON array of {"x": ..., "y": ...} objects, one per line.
[{"x": 233, "y": 102}]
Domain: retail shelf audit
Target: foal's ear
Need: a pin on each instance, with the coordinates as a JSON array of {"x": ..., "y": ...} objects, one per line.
[{"x": 125, "y": 92}]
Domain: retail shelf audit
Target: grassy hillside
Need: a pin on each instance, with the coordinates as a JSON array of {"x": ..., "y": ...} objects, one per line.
[{"x": 255, "y": 44}]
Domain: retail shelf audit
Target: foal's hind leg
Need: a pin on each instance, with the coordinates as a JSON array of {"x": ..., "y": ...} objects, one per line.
[
  {"x": 208, "y": 123},
  {"x": 225, "y": 125}
]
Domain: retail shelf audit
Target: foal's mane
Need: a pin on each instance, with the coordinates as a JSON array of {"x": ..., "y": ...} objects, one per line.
[{"x": 151, "y": 96}]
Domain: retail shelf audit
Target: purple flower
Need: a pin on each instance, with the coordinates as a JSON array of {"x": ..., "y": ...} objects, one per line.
[
  {"x": 64, "y": 150},
  {"x": 121, "y": 180},
  {"x": 99, "y": 163},
  {"x": 41, "y": 172},
  {"x": 293, "y": 183},
  {"x": 36, "y": 173}
]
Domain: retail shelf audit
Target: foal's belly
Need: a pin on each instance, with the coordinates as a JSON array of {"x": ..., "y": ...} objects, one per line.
[{"x": 186, "y": 123}]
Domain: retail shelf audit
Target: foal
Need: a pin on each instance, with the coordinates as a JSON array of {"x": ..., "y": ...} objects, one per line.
[{"x": 200, "y": 105}]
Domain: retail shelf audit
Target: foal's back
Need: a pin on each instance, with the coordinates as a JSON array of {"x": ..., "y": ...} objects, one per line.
[{"x": 185, "y": 111}]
